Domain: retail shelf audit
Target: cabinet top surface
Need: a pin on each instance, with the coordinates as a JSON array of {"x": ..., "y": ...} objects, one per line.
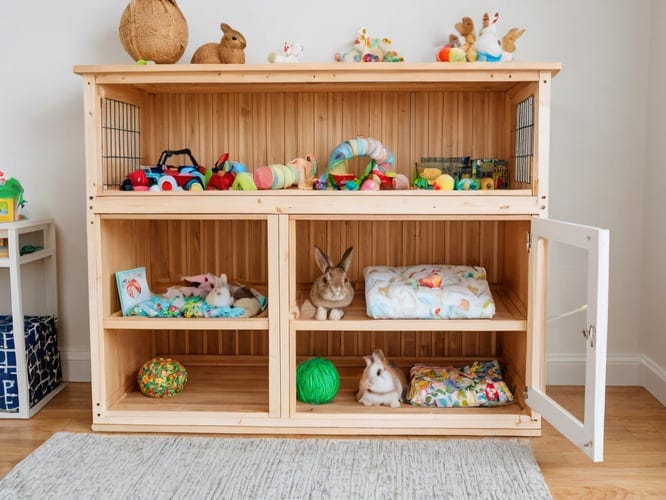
[{"x": 321, "y": 72}]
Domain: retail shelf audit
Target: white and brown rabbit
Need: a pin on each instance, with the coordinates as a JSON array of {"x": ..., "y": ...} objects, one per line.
[
  {"x": 332, "y": 291},
  {"x": 382, "y": 382},
  {"x": 230, "y": 50}
]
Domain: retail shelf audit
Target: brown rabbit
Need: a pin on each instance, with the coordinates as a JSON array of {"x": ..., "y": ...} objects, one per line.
[
  {"x": 228, "y": 51},
  {"x": 382, "y": 383},
  {"x": 332, "y": 290}
]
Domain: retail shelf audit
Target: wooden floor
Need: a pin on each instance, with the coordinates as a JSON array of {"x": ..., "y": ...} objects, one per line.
[{"x": 635, "y": 454}]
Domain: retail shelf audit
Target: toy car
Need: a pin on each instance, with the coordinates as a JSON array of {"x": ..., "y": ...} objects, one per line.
[{"x": 164, "y": 177}]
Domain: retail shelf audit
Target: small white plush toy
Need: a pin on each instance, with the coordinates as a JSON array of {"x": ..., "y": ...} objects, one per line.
[{"x": 288, "y": 54}]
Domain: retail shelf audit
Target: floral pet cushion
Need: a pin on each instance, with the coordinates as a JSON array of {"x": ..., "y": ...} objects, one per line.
[
  {"x": 480, "y": 384},
  {"x": 428, "y": 292}
]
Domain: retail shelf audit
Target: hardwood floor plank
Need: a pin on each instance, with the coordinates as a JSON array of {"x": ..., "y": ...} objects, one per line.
[{"x": 635, "y": 447}]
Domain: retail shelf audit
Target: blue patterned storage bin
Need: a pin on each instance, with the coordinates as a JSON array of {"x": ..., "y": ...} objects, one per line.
[{"x": 43, "y": 360}]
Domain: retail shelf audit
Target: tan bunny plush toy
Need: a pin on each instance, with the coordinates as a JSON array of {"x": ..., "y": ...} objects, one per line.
[
  {"x": 382, "y": 383},
  {"x": 230, "y": 50},
  {"x": 332, "y": 291}
]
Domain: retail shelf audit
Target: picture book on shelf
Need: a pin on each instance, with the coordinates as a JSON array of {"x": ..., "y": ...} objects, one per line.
[{"x": 132, "y": 288}]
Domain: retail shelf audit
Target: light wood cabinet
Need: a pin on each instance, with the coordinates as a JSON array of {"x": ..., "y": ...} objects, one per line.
[{"x": 242, "y": 371}]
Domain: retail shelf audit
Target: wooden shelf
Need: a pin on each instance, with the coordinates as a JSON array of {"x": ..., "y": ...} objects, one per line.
[
  {"x": 119, "y": 322},
  {"x": 335, "y": 204},
  {"x": 510, "y": 315},
  {"x": 417, "y": 110},
  {"x": 237, "y": 390},
  {"x": 163, "y": 78},
  {"x": 229, "y": 389}
]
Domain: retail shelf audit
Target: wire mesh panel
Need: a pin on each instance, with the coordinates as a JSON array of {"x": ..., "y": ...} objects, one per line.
[
  {"x": 524, "y": 150},
  {"x": 121, "y": 141}
]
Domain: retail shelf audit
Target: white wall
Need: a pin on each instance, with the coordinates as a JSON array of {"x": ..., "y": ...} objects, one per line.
[
  {"x": 653, "y": 329},
  {"x": 598, "y": 125}
]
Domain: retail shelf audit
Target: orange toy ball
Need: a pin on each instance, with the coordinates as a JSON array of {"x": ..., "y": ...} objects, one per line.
[{"x": 443, "y": 54}]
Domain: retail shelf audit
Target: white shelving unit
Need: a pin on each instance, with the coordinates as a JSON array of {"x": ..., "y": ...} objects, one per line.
[{"x": 15, "y": 233}]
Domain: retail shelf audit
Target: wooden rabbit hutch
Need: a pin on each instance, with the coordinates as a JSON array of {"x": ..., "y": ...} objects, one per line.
[{"x": 242, "y": 371}]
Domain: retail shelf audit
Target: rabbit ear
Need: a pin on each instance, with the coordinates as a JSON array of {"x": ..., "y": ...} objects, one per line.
[
  {"x": 322, "y": 259},
  {"x": 220, "y": 281},
  {"x": 368, "y": 360},
  {"x": 346, "y": 259},
  {"x": 225, "y": 27}
]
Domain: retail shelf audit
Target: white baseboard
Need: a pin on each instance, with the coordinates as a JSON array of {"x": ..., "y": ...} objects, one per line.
[
  {"x": 621, "y": 369},
  {"x": 75, "y": 365},
  {"x": 569, "y": 369},
  {"x": 653, "y": 378}
]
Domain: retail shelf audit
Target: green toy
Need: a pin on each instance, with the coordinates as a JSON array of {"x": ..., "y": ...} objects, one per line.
[
  {"x": 243, "y": 181},
  {"x": 317, "y": 381},
  {"x": 161, "y": 377}
]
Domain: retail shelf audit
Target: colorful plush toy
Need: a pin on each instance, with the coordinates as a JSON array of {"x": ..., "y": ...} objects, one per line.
[
  {"x": 340, "y": 178},
  {"x": 367, "y": 49},
  {"x": 203, "y": 284},
  {"x": 275, "y": 177},
  {"x": 452, "y": 51},
  {"x": 488, "y": 45},
  {"x": 467, "y": 38}
]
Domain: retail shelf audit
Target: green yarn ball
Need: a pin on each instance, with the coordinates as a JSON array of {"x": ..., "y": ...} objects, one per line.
[
  {"x": 317, "y": 381},
  {"x": 161, "y": 377}
]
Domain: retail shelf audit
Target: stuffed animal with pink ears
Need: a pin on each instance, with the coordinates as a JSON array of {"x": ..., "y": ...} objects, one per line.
[{"x": 204, "y": 284}]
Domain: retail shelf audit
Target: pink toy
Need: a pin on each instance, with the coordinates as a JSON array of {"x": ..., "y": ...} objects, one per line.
[
  {"x": 275, "y": 177},
  {"x": 205, "y": 283},
  {"x": 307, "y": 170}
]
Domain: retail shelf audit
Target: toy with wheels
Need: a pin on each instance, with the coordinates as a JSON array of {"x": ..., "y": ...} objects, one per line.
[
  {"x": 381, "y": 162},
  {"x": 166, "y": 178}
]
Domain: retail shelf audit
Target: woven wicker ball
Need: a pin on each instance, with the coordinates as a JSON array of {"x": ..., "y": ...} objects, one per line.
[
  {"x": 161, "y": 377},
  {"x": 317, "y": 381},
  {"x": 154, "y": 30}
]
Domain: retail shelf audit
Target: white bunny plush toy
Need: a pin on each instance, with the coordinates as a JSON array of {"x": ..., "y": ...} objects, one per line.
[{"x": 220, "y": 295}]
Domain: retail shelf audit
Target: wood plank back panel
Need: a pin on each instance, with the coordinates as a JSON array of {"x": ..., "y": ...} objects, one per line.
[
  {"x": 402, "y": 243},
  {"x": 170, "y": 249},
  {"x": 399, "y": 243},
  {"x": 262, "y": 128}
]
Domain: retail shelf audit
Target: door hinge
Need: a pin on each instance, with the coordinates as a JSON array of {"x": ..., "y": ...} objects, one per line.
[
  {"x": 588, "y": 334},
  {"x": 528, "y": 242}
]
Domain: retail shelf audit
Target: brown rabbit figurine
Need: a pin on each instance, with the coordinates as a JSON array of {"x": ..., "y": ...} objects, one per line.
[
  {"x": 382, "y": 383},
  {"x": 228, "y": 51},
  {"x": 331, "y": 291}
]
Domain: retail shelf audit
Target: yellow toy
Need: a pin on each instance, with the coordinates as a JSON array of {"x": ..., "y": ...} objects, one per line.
[{"x": 444, "y": 182}]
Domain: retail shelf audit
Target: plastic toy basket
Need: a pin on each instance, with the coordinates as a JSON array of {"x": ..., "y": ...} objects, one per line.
[
  {"x": 430, "y": 168},
  {"x": 463, "y": 167}
]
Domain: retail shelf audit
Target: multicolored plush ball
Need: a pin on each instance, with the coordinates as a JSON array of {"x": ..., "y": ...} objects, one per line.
[
  {"x": 161, "y": 377},
  {"x": 317, "y": 381}
]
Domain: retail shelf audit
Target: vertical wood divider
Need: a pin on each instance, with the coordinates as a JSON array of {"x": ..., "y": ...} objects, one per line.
[
  {"x": 287, "y": 283},
  {"x": 93, "y": 153},
  {"x": 275, "y": 264}
]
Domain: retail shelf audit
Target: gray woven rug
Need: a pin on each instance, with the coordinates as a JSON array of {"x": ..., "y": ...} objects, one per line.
[{"x": 98, "y": 466}]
